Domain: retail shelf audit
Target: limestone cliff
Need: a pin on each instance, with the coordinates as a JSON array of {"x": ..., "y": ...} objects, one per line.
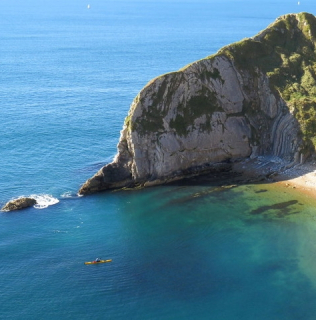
[{"x": 255, "y": 97}]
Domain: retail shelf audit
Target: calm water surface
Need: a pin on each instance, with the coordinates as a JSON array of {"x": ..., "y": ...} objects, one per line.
[{"x": 186, "y": 251}]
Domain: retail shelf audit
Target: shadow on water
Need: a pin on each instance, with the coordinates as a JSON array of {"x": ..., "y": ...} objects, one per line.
[
  {"x": 282, "y": 208},
  {"x": 261, "y": 191},
  {"x": 220, "y": 184}
]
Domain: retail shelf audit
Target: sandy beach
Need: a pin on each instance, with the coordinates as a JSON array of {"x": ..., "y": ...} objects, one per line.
[
  {"x": 298, "y": 176},
  {"x": 301, "y": 177}
]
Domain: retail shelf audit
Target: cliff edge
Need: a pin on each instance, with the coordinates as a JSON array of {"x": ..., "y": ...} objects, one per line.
[{"x": 256, "y": 97}]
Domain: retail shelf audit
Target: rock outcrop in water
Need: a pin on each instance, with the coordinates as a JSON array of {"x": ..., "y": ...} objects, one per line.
[
  {"x": 256, "y": 97},
  {"x": 18, "y": 204}
]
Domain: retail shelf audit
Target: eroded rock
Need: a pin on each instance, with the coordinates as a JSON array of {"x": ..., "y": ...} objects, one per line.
[
  {"x": 252, "y": 98},
  {"x": 18, "y": 204}
]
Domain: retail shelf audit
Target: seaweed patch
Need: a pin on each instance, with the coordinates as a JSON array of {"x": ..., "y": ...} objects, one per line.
[
  {"x": 261, "y": 190},
  {"x": 282, "y": 208}
]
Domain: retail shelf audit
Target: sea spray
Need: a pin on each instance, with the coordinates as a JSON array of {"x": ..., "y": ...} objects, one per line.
[
  {"x": 68, "y": 195},
  {"x": 44, "y": 200}
]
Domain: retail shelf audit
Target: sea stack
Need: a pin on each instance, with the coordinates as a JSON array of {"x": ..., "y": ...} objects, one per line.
[
  {"x": 256, "y": 97},
  {"x": 18, "y": 204}
]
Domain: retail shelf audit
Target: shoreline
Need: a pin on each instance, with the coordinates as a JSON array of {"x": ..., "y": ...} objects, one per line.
[
  {"x": 301, "y": 177},
  {"x": 305, "y": 182}
]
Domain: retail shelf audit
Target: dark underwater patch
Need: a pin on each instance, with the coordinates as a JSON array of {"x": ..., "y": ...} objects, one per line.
[
  {"x": 282, "y": 208},
  {"x": 261, "y": 191}
]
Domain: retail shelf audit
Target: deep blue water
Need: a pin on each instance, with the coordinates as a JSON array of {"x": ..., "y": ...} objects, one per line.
[{"x": 188, "y": 251}]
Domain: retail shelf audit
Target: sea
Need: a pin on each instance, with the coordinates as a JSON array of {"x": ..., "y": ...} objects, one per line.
[{"x": 69, "y": 71}]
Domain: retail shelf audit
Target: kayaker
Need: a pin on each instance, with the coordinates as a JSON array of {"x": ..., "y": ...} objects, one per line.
[{"x": 97, "y": 260}]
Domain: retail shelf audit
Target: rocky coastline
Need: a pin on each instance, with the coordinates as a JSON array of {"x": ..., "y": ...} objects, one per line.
[
  {"x": 249, "y": 110},
  {"x": 252, "y": 99}
]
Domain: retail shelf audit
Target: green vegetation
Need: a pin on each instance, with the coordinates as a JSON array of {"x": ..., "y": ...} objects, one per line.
[
  {"x": 286, "y": 53},
  {"x": 203, "y": 104},
  {"x": 151, "y": 120},
  {"x": 128, "y": 122},
  {"x": 205, "y": 75}
]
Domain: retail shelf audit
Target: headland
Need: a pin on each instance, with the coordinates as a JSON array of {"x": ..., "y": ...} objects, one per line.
[{"x": 252, "y": 101}]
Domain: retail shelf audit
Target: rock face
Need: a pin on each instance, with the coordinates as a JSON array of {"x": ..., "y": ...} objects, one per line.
[
  {"x": 18, "y": 204},
  {"x": 253, "y": 98}
]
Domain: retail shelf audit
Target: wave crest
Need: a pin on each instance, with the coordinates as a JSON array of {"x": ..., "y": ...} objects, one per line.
[
  {"x": 69, "y": 195},
  {"x": 44, "y": 200}
]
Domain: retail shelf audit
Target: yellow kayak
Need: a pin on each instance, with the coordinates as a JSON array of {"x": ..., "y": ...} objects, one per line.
[{"x": 97, "y": 262}]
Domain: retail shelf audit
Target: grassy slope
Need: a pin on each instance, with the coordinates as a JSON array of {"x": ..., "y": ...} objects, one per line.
[{"x": 285, "y": 51}]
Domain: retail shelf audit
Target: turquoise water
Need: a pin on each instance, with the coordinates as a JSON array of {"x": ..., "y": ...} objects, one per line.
[{"x": 184, "y": 251}]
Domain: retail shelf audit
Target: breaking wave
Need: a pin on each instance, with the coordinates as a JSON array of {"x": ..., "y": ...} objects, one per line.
[
  {"x": 69, "y": 195},
  {"x": 44, "y": 200}
]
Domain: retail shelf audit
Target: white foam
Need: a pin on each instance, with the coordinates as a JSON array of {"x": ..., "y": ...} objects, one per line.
[
  {"x": 69, "y": 195},
  {"x": 44, "y": 200}
]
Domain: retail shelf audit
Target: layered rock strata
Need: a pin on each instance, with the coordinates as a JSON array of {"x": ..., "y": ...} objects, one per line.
[{"x": 252, "y": 98}]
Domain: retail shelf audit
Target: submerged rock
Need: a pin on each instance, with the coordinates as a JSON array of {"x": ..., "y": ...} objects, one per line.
[
  {"x": 20, "y": 203},
  {"x": 256, "y": 97}
]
